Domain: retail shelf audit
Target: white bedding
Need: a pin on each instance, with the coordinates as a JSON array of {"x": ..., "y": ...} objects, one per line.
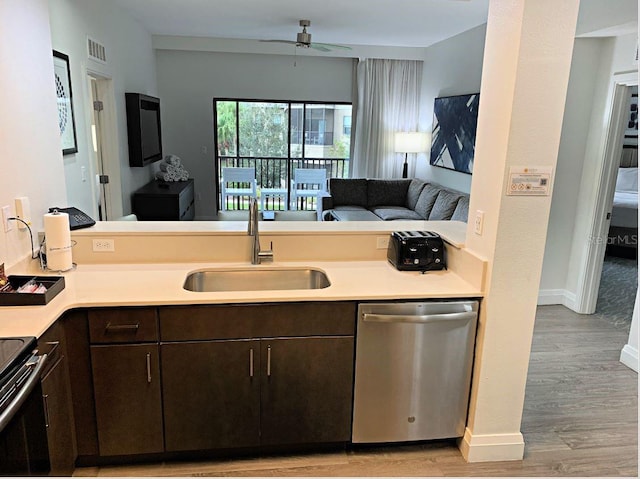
[{"x": 625, "y": 200}]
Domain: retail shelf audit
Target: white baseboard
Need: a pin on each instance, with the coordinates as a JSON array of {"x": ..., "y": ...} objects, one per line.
[
  {"x": 550, "y": 296},
  {"x": 491, "y": 447},
  {"x": 557, "y": 296},
  {"x": 629, "y": 357}
]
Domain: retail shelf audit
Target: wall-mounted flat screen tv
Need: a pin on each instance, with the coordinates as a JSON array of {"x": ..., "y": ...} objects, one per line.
[
  {"x": 453, "y": 137},
  {"x": 144, "y": 129}
]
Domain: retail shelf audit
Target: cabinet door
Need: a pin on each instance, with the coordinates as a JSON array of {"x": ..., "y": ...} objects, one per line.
[
  {"x": 59, "y": 419},
  {"x": 56, "y": 398},
  {"x": 126, "y": 383},
  {"x": 306, "y": 390},
  {"x": 211, "y": 394}
]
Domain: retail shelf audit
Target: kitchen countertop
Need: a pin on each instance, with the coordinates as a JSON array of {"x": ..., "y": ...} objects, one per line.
[{"x": 112, "y": 285}]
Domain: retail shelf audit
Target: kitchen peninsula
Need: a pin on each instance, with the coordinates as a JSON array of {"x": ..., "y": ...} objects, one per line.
[
  {"x": 152, "y": 259},
  {"x": 124, "y": 320}
]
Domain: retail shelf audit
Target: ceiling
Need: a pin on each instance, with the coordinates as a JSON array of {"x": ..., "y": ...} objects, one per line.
[
  {"x": 400, "y": 23},
  {"x": 388, "y": 23}
]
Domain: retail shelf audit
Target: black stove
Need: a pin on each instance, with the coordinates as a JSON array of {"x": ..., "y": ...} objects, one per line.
[
  {"x": 23, "y": 434},
  {"x": 15, "y": 354},
  {"x": 12, "y": 350}
]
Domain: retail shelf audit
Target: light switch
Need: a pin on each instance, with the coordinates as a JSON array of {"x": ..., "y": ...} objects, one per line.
[{"x": 23, "y": 211}]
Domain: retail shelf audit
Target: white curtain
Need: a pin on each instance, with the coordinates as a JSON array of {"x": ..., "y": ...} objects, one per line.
[{"x": 388, "y": 101}]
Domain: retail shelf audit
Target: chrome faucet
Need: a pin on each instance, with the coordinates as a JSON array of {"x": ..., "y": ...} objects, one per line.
[{"x": 257, "y": 255}]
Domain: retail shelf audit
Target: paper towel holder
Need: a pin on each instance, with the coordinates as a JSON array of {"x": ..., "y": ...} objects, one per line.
[{"x": 43, "y": 257}]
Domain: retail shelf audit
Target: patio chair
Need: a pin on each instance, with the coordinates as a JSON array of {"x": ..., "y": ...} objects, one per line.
[
  {"x": 307, "y": 183},
  {"x": 237, "y": 182}
]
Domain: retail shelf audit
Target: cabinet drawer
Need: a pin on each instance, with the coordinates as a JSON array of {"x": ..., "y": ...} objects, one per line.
[
  {"x": 184, "y": 323},
  {"x": 123, "y": 325}
]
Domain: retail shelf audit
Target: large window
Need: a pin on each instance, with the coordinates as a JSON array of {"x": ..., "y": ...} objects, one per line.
[{"x": 275, "y": 138}]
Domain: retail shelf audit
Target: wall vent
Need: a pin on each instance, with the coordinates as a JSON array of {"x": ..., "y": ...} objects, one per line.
[{"x": 96, "y": 50}]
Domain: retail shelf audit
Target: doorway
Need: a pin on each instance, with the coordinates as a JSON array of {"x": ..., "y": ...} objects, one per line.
[
  {"x": 591, "y": 271},
  {"x": 619, "y": 278},
  {"x": 105, "y": 165}
]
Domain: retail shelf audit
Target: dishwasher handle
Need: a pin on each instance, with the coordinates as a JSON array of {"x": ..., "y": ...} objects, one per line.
[{"x": 418, "y": 318}]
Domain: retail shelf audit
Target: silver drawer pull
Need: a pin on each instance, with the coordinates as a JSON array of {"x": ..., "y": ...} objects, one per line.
[
  {"x": 45, "y": 400},
  {"x": 268, "y": 361},
  {"x": 116, "y": 328},
  {"x": 149, "y": 368},
  {"x": 251, "y": 362},
  {"x": 419, "y": 318}
]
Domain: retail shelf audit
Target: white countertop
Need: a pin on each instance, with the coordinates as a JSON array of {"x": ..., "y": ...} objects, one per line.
[{"x": 95, "y": 285}]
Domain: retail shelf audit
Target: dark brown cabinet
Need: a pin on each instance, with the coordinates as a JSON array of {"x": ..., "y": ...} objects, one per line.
[
  {"x": 160, "y": 201},
  {"x": 126, "y": 381},
  {"x": 56, "y": 398},
  {"x": 306, "y": 390},
  {"x": 239, "y": 383},
  {"x": 177, "y": 380},
  {"x": 211, "y": 394}
]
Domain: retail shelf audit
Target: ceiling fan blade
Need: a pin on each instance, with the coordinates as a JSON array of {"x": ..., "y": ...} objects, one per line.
[
  {"x": 330, "y": 46},
  {"x": 289, "y": 42},
  {"x": 319, "y": 47}
]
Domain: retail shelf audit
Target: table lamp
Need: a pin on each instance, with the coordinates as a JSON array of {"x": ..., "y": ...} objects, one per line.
[{"x": 410, "y": 142}]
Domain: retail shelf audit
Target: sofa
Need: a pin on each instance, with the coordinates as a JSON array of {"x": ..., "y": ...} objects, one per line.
[{"x": 364, "y": 199}]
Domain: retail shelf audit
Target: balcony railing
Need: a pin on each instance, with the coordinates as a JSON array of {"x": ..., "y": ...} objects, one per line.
[{"x": 276, "y": 173}]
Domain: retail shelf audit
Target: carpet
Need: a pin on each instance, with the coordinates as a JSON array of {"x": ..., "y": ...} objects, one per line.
[{"x": 617, "y": 293}]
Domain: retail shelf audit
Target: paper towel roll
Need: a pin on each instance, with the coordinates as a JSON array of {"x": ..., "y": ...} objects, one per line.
[{"x": 58, "y": 240}]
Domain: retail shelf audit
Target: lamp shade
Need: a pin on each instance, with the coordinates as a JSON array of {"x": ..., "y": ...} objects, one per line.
[{"x": 411, "y": 142}]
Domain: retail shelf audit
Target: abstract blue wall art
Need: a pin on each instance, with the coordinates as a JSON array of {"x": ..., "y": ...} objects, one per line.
[{"x": 455, "y": 119}]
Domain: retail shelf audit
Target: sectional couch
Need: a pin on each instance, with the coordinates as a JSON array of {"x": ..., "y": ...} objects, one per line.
[{"x": 362, "y": 199}]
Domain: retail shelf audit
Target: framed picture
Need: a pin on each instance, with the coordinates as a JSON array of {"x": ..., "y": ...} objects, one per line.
[
  {"x": 66, "y": 120},
  {"x": 455, "y": 119},
  {"x": 631, "y": 130}
]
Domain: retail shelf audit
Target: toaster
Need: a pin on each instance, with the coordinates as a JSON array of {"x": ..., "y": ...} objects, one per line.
[{"x": 416, "y": 251}]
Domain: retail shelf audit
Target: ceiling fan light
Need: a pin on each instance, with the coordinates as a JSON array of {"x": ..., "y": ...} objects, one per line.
[{"x": 304, "y": 38}]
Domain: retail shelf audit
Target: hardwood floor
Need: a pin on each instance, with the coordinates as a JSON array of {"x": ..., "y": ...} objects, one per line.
[{"x": 580, "y": 419}]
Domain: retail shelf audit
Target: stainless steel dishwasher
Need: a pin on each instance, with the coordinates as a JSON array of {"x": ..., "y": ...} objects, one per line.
[{"x": 413, "y": 370}]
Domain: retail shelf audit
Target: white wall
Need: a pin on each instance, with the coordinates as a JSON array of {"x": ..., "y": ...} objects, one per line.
[
  {"x": 131, "y": 66},
  {"x": 589, "y": 54},
  {"x": 629, "y": 353},
  {"x": 189, "y": 80},
  {"x": 30, "y": 154},
  {"x": 451, "y": 67}
]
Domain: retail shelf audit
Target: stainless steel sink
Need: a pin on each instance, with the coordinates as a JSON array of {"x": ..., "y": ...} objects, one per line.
[{"x": 256, "y": 279}]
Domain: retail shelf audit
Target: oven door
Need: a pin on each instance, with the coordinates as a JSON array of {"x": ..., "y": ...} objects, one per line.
[{"x": 23, "y": 435}]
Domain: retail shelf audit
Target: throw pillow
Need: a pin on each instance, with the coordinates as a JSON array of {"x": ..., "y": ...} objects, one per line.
[
  {"x": 445, "y": 205},
  {"x": 426, "y": 200},
  {"x": 413, "y": 193},
  {"x": 387, "y": 192},
  {"x": 461, "y": 213},
  {"x": 352, "y": 191}
]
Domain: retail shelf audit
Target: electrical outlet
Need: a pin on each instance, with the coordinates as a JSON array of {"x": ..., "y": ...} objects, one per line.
[
  {"x": 479, "y": 223},
  {"x": 104, "y": 246},
  {"x": 6, "y": 214},
  {"x": 382, "y": 242}
]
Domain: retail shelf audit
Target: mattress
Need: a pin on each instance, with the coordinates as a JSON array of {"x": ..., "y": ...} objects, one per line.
[{"x": 625, "y": 209}]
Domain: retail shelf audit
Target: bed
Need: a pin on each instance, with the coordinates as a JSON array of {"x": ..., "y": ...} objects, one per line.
[{"x": 623, "y": 230}]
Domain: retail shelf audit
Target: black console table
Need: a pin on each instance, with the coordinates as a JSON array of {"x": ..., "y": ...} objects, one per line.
[{"x": 162, "y": 201}]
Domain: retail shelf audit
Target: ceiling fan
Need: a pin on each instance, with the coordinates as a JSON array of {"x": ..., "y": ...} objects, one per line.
[{"x": 303, "y": 40}]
